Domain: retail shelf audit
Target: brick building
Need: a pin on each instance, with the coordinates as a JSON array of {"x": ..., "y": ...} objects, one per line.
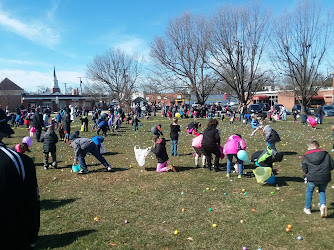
[{"x": 10, "y": 94}]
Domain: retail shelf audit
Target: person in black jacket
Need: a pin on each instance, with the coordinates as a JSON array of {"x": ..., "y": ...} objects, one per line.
[
  {"x": 49, "y": 139},
  {"x": 159, "y": 149},
  {"x": 19, "y": 196},
  {"x": 38, "y": 123},
  {"x": 174, "y": 136},
  {"x": 317, "y": 165},
  {"x": 210, "y": 142}
]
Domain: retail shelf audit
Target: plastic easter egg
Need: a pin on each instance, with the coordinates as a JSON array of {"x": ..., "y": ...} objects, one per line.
[
  {"x": 96, "y": 219},
  {"x": 214, "y": 225},
  {"x": 299, "y": 237},
  {"x": 176, "y": 232}
]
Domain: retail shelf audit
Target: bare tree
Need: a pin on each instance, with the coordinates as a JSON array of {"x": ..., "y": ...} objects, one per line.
[
  {"x": 238, "y": 38},
  {"x": 180, "y": 56},
  {"x": 115, "y": 73},
  {"x": 300, "y": 41}
]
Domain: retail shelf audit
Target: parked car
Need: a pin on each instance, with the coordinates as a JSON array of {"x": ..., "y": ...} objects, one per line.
[
  {"x": 264, "y": 106},
  {"x": 298, "y": 108},
  {"x": 328, "y": 110},
  {"x": 254, "y": 108}
]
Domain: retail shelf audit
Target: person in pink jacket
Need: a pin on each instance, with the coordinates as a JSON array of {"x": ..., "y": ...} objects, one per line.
[{"x": 231, "y": 148}]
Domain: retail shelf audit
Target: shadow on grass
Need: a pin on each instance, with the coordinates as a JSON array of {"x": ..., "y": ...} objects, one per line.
[
  {"x": 111, "y": 153},
  {"x": 60, "y": 240},
  {"x": 178, "y": 169},
  {"x": 53, "y": 204},
  {"x": 289, "y": 153},
  {"x": 282, "y": 180},
  {"x": 100, "y": 170}
]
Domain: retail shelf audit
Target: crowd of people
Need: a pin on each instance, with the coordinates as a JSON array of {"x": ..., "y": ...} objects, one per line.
[{"x": 18, "y": 183}]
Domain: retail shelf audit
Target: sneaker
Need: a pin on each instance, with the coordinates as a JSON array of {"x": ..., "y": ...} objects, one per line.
[
  {"x": 216, "y": 169},
  {"x": 197, "y": 166},
  {"x": 109, "y": 168},
  {"x": 307, "y": 211},
  {"x": 171, "y": 169},
  {"x": 239, "y": 176},
  {"x": 46, "y": 168},
  {"x": 83, "y": 171},
  {"x": 204, "y": 166},
  {"x": 228, "y": 175},
  {"x": 333, "y": 150},
  {"x": 323, "y": 211}
]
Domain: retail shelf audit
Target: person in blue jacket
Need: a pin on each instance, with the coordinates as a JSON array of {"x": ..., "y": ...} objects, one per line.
[
  {"x": 98, "y": 141},
  {"x": 103, "y": 125}
]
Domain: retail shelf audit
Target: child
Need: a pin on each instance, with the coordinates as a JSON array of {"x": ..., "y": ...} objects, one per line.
[
  {"x": 295, "y": 113},
  {"x": 135, "y": 122},
  {"x": 159, "y": 149},
  {"x": 193, "y": 127},
  {"x": 304, "y": 119},
  {"x": 333, "y": 135},
  {"x": 61, "y": 131},
  {"x": 75, "y": 135},
  {"x": 174, "y": 136},
  {"x": 232, "y": 117},
  {"x": 24, "y": 145},
  {"x": 197, "y": 146},
  {"x": 156, "y": 130},
  {"x": 312, "y": 122},
  {"x": 84, "y": 123},
  {"x": 317, "y": 165},
  {"x": 49, "y": 139},
  {"x": 98, "y": 140},
  {"x": 254, "y": 124},
  {"x": 231, "y": 148},
  {"x": 272, "y": 137},
  {"x": 103, "y": 125}
]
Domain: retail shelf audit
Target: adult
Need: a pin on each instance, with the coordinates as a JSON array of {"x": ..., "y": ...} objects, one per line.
[
  {"x": 210, "y": 143},
  {"x": 81, "y": 147},
  {"x": 67, "y": 122},
  {"x": 319, "y": 114},
  {"x": 19, "y": 196},
  {"x": 283, "y": 113},
  {"x": 38, "y": 123}
]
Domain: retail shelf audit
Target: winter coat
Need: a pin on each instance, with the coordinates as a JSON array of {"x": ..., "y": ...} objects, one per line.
[
  {"x": 174, "y": 132},
  {"x": 317, "y": 165},
  {"x": 254, "y": 123},
  {"x": 67, "y": 123},
  {"x": 160, "y": 151},
  {"x": 103, "y": 124},
  {"x": 19, "y": 199},
  {"x": 49, "y": 139},
  {"x": 234, "y": 144},
  {"x": 270, "y": 135},
  {"x": 37, "y": 121},
  {"x": 98, "y": 140},
  {"x": 82, "y": 144},
  {"x": 211, "y": 136}
]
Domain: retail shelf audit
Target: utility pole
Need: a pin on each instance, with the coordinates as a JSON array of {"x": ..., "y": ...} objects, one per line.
[
  {"x": 80, "y": 84},
  {"x": 65, "y": 87}
]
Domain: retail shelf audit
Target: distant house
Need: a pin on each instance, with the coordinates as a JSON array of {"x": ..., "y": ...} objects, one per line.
[
  {"x": 139, "y": 100},
  {"x": 10, "y": 94}
]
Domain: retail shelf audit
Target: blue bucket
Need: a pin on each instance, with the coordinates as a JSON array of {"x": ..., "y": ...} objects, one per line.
[
  {"x": 76, "y": 168},
  {"x": 271, "y": 179}
]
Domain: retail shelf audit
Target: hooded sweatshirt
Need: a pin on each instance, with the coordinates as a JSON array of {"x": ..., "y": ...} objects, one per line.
[
  {"x": 317, "y": 165},
  {"x": 234, "y": 144},
  {"x": 270, "y": 135},
  {"x": 160, "y": 151}
]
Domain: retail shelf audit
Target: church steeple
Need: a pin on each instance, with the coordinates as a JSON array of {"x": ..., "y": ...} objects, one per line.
[{"x": 54, "y": 87}]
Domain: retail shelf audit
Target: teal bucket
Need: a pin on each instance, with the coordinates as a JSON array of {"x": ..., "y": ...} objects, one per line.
[
  {"x": 271, "y": 179},
  {"x": 76, "y": 168}
]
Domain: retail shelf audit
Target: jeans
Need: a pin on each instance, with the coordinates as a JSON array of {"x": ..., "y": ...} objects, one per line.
[
  {"x": 94, "y": 151},
  {"x": 284, "y": 116},
  {"x": 173, "y": 147},
  {"x": 309, "y": 191},
  {"x": 135, "y": 127},
  {"x": 229, "y": 162},
  {"x": 273, "y": 148}
]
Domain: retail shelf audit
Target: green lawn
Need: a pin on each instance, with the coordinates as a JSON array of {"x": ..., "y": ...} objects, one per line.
[{"x": 152, "y": 202}]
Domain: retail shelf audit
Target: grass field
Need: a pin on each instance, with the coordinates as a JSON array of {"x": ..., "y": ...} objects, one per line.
[{"x": 246, "y": 213}]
